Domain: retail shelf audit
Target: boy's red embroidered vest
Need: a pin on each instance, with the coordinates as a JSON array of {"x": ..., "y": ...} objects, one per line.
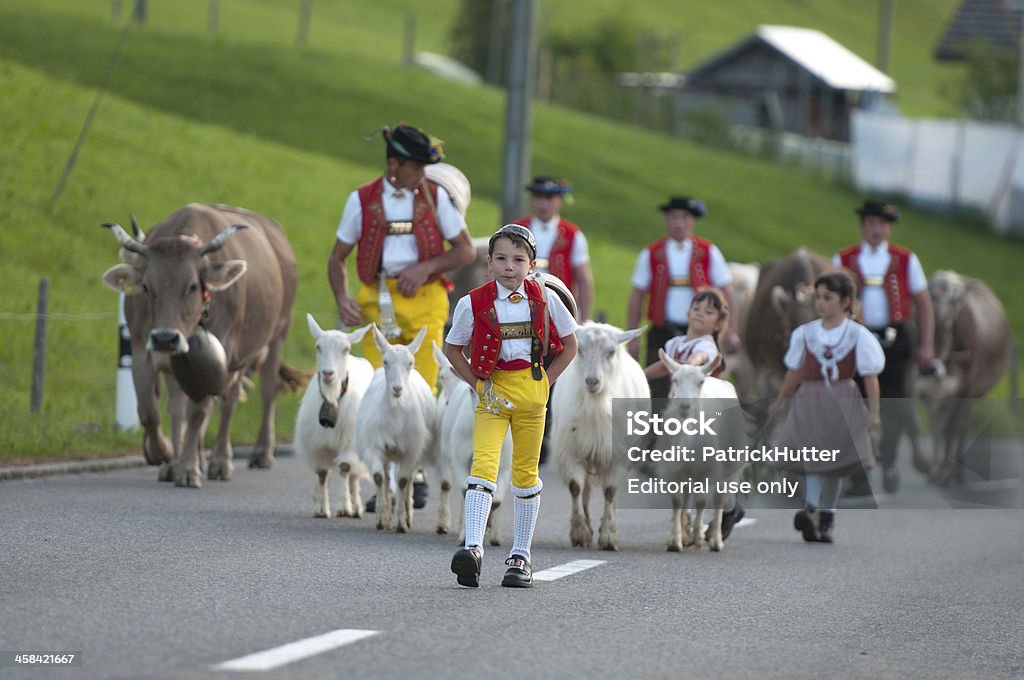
[
  {"x": 485, "y": 343},
  {"x": 560, "y": 257},
  {"x": 894, "y": 281},
  {"x": 661, "y": 278},
  {"x": 429, "y": 241},
  {"x": 810, "y": 371}
]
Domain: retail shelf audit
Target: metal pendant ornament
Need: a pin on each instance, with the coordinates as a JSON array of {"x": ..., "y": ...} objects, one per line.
[{"x": 492, "y": 402}]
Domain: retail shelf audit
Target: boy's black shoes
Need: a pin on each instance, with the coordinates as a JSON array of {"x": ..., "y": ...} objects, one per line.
[
  {"x": 519, "y": 574},
  {"x": 466, "y": 566}
]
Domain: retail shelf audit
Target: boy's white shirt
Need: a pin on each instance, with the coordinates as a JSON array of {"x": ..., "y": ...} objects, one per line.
[{"x": 510, "y": 312}]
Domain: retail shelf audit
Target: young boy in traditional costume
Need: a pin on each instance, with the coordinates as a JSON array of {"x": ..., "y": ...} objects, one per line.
[{"x": 510, "y": 324}]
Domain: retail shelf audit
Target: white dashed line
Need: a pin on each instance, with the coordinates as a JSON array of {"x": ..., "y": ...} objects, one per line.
[
  {"x": 566, "y": 569},
  {"x": 295, "y": 651}
]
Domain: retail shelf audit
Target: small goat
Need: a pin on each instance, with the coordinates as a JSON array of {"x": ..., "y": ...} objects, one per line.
[
  {"x": 457, "y": 402},
  {"x": 325, "y": 426},
  {"x": 582, "y": 446},
  {"x": 396, "y": 423},
  {"x": 694, "y": 389}
]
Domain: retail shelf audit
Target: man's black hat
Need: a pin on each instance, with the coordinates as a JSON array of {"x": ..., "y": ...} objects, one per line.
[
  {"x": 547, "y": 185},
  {"x": 518, "y": 231},
  {"x": 878, "y": 209},
  {"x": 694, "y": 206},
  {"x": 405, "y": 141}
]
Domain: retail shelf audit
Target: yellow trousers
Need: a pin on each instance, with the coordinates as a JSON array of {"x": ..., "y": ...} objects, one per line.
[
  {"x": 526, "y": 418},
  {"x": 428, "y": 307}
]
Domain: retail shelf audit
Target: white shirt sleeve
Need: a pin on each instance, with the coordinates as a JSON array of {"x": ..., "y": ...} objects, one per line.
[
  {"x": 870, "y": 356},
  {"x": 916, "y": 280},
  {"x": 642, "y": 271},
  {"x": 350, "y": 229},
  {"x": 836, "y": 261},
  {"x": 580, "y": 254},
  {"x": 794, "y": 358},
  {"x": 720, "y": 273},
  {"x": 708, "y": 346},
  {"x": 450, "y": 220},
  {"x": 462, "y": 323}
]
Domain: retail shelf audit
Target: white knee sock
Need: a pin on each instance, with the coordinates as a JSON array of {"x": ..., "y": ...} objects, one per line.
[
  {"x": 478, "y": 509},
  {"x": 525, "y": 511},
  {"x": 830, "y": 487},
  {"x": 812, "y": 490}
]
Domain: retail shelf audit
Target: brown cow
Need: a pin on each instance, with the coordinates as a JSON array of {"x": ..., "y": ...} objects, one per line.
[
  {"x": 783, "y": 299},
  {"x": 187, "y": 273},
  {"x": 973, "y": 346},
  {"x": 738, "y": 367}
]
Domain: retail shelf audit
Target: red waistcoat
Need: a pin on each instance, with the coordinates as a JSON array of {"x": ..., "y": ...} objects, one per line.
[
  {"x": 700, "y": 274},
  {"x": 894, "y": 281},
  {"x": 560, "y": 258},
  {"x": 429, "y": 241},
  {"x": 485, "y": 343}
]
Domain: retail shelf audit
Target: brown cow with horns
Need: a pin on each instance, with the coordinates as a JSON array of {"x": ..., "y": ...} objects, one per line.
[{"x": 209, "y": 295}]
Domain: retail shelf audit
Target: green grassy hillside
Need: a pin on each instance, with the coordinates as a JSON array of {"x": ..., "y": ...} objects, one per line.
[{"x": 248, "y": 119}]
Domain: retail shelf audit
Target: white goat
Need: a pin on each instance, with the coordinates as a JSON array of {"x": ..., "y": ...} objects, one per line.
[
  {"x": 397, "y": 423},
  {"x": 582, "y": 446},
  {"x": 693, "y": 389},
  {"x": 457, "y": 402},
  {"x": 325, "y": 427}
]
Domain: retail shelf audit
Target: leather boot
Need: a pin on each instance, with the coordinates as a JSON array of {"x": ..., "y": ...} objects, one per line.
[
  {"x": 806, "y": 522},
  {"x": 826, "y": 525}
]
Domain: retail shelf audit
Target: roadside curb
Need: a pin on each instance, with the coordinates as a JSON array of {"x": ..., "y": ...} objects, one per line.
[
  {"x": 71, "y": 467},
  {"x": 75, "y": 467}
]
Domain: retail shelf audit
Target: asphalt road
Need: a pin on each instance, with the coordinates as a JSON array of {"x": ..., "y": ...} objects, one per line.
[{"x": 145, "y": 580}]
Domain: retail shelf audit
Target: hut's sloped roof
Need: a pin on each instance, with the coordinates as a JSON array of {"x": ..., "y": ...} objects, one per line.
[
  {"x": 813, "y": 51},
  {"x": 992, "y": 21}
]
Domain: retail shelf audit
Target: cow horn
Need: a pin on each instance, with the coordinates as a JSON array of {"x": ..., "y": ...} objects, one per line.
[
  {"x": 218, "y": 241},
  {"x": 126, "y": 241},
  {"x": 137, "y": 230}
]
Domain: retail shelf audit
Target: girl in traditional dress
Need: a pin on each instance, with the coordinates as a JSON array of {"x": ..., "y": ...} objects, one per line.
[
  {"x": 827, "y": 410},
  {"x": 706, "y": 318}
]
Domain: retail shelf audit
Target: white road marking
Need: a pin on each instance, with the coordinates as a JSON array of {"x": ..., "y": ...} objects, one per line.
[
  {"x": 295, "y": 651},
  {"x": 566, "y": 569}
]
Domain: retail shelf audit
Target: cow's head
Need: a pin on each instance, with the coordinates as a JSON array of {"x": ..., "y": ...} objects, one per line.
[
  {"x": 600, "y": 353},
  {"x": 947, "y": 289},
  {"x": 793, "y": 309},
  {"x": 176, "y": 278}
]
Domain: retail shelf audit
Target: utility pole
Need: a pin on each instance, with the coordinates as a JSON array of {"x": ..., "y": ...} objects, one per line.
[
  {"x": 884, "y": 34},
  {"x": 1019, "y": 6},
  {"x": 519, "y": 100}
]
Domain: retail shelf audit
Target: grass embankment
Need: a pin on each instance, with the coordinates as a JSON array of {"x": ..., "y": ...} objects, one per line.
[{"x": 254, "y": 121}]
